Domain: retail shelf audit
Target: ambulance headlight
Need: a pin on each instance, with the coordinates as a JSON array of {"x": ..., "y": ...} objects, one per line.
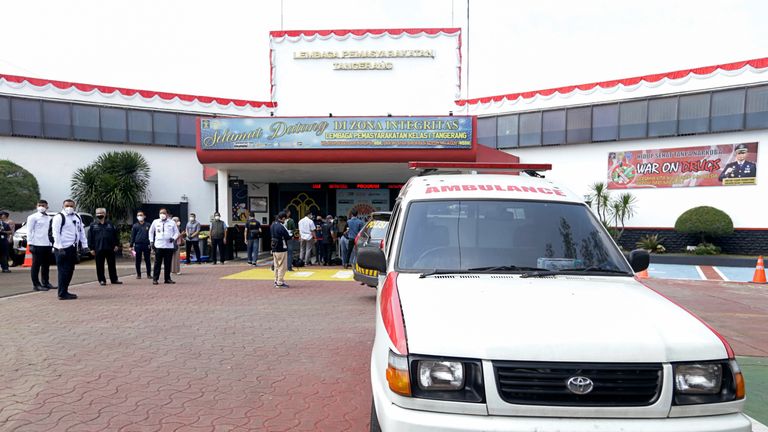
[
  {"x": 707, "y": 382},
  {"x": 441, "y": 375},
  {"x": 698, "y": 378}
]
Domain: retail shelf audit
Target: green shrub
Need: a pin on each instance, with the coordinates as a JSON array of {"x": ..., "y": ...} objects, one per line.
[
  {"x": 706, "y": 249},
  {"x": 651, "y": 243},
  {"x": 19, "y": 190},
  {"x": 705, "y": 222}
]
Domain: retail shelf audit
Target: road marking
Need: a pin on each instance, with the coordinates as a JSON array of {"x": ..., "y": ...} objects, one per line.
[
  {"x": 343, "y": 274},
  {"x": 721, "y": 274},
  {"x": 316, "y": 275},
  {"x": 701, "y": 273},
  {"x": 303, "y": 274}
]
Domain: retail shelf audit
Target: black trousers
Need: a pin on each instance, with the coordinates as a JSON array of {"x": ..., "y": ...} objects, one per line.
[
  {"x": 142, "y": 250},
  {"x": 194, "y": 243},
  {"x": 41, "y": 264},
  {"x": 108, "y": 255},
  {"x": 217, "y": 244},
  {"x": 65, "y": 264},
  {"x": 164, "y": 257},
  {"x": 4, "y": 250},
  {"x": 323, "y": 253}
]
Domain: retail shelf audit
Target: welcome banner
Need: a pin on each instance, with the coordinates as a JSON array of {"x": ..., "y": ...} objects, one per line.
[
  {"x": 335, "y": 132},
  {"x": 716, "y": 165}
]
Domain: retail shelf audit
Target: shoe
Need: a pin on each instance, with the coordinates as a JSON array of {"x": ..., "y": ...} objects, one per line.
[
  {"x": 214, "y": 263},
  {"x": 117, "y": 283},
  {"x": 47, "y": 286},
  {"x": 281, "y": 286},
  {"x": 38, "y": 288},
  {"x": 250, "y": 262},
  {"x": 169, "y": 282},
  {"x": 138, "y": 276},
  {"x": 154, "y": 282},
  {"x": 102, "y": 283},
  {"x": 149, "y": 276},
  {"x": 6, "y": 271},
  {"x": 68, "y": 296}
]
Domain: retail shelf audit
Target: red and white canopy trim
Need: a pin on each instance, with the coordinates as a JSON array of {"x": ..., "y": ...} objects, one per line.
[
  {"x": 280, "y": 36},
  {"x": 691, "y": 79},
  {"x": 36, "y": 87}
]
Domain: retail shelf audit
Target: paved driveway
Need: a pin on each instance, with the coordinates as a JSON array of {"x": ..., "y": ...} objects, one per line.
[{"x": 204, "y": 354}]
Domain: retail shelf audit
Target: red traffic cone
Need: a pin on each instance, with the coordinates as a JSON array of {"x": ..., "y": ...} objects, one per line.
[
  {"x": 28, "y": 259},
  {"x": 759, "y": 276}
]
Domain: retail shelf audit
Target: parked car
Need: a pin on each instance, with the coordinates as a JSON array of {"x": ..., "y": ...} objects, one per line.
[
  {"x": 506, "y": 306},
  {"x": 20, "y": 238},
  {"x": 372, "y": 235}
]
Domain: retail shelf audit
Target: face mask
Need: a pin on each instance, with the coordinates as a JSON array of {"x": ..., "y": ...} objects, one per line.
[
  {"x": 140, "y": 218},
  {"x": 191, "y": 219},
  {"x": 41, "y": 209},
  {"x": 217, "y": 217},
  {"x": 69, "y": 210},
  {"x": 101, "y": 216},
  {"x": 163, "y": 216}
]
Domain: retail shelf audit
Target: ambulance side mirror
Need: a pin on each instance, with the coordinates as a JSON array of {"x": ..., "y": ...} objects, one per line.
[
  {"x": 372, "y": 259},
  {"x": 639, "y": 259}
]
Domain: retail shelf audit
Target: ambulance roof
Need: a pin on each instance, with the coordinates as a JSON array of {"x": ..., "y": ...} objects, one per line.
[{"x": 485, "y": 186}]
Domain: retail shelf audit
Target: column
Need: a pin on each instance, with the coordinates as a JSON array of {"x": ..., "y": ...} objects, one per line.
[{"x": 225, "y": 201}]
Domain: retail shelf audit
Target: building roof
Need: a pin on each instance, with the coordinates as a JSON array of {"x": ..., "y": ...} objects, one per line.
[
  {"x": 639, "y": 86},
  {"x": 38, "y": 87}
]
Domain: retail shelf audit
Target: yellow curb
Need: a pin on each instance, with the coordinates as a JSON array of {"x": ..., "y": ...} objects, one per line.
[{"x": 316, "y": 275}]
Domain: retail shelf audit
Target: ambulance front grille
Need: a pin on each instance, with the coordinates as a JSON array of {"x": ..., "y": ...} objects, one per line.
[{"x": 534, "y": 383}]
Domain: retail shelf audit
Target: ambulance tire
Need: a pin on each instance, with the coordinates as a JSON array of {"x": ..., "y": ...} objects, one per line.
[{"x": 375, "y": 427}]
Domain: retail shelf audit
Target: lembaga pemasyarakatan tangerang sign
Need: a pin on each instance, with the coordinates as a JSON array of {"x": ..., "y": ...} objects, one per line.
[
  {"x": 335, "y": 132},
  {"x": 715, "y": 165}
]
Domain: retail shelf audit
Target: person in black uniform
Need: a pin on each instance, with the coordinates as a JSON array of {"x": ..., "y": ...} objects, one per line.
[
  {"x": 252, "y": 238},
  {"x": 741, "y": 167},
  {"x": 6, "y": 234},
  {"x": 140, "y": 244},
  {"x": 104, "y": 243}
]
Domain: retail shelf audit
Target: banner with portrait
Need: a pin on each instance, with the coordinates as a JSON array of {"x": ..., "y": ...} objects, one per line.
[{"x": 715, "y": 165}]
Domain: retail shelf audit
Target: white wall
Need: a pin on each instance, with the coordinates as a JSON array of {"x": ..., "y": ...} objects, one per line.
[
  {"x": 579, "y": 165},
  {"x": 174, "y": 171}
]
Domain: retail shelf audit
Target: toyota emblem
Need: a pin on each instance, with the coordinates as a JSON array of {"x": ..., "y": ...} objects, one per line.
[{"x": 580, "y": 385}]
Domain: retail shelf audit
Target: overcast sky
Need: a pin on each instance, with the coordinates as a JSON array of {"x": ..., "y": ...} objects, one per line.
[{"x": 221, "y": 48}]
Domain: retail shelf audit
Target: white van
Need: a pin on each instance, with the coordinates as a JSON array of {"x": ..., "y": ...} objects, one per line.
[{"x": 504, "y": 305}]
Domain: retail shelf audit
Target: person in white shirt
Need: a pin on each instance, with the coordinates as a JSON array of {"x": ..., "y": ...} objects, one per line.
[
  {"x": 162, "y": 236},
  {"x": 68, "y": 232},
  {"x": 307, "y": 234},
  {"x": 40, "y": 246}
]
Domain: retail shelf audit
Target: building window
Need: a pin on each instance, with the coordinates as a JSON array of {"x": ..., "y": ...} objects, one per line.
[
  {"x": 139, "y": 127},
  {"x": 728, "y": 110},
  {"x": 693, "y": 114},
  {"x": 113, "y": 125},
  {"x": 166, "y": 129},
  {"x": 605, "y": 122},
  {"x": 85, "y": 122},
  {"x": 553, "y": 127},
  {"x": 57, "y": 120},
  {"x": 5, "y": 116},
  {"x": 579, "y": 125},
  {"x": 662, "y": 117},
  {"x": 530, "y": 129},
  {"x": 507, "y": 131},
  {"x": 26, "y": 115},
  {"x": 486, "y": 131},
  {"x": 757, "y": 108},
  {"x": 187, "y": 130},
  {"x": 633, "y": 117}
]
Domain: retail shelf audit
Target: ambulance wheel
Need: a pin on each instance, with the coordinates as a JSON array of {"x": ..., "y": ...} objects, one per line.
[{"x": 375, "y": 427}]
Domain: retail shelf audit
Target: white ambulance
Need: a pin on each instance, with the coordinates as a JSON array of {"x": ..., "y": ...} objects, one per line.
[{"x": 504, "y": 305}]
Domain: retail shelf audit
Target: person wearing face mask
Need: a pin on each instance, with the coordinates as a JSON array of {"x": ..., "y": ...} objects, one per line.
[
  {"x": 40, "y": 246},
  {"x": 104, "y": 244},
  {"x": 68, "y": 232},
  {"x": 218, "y": 237},
  {"x": 193, "y": 238},
  {"x": 140, "y": 244},
  {"x": 6, "y": 233},
  {"x": 162, "y": 235},
  {"x": 176, "y": 260}
]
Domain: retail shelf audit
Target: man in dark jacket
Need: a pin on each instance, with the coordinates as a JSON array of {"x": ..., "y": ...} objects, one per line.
[
  {"x": 280, "y": 238},
  {"x": 140, "y": 244},
  {"x": 218, "y": 233},
  {"x": 103, "y": 239}
]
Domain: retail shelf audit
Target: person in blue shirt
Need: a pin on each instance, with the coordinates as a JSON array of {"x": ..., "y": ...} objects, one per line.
[{"x": 354, "y": 225}]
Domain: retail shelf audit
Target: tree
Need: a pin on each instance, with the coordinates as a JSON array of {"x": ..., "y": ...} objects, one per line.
[
  {"x": 612, "y": 212},
  {"x": 623, "y": 208},
  {"x": 19, "y": 190},
  {"x": 117, "y": 181},
  {"x": 704, "y": 221},
  {"x": 600, "y": 197}
]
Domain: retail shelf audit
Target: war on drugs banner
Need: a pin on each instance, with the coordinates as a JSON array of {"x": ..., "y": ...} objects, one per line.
[
  {"x": 716, "y": 165},
  {"x": 453, "y": 132}
]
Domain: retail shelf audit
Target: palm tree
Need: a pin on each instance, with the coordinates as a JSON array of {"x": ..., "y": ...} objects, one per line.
[
  {"x": 117, "y": 181},
  {"x": 623, "y": 208},
  {"x": 600, "y": 197}
]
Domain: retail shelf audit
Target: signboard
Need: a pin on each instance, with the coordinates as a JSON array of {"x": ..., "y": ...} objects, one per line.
[
  {"x": 335, "y": 133},
  {"x": 365, "y": 201},
  {"x": 716, "y": 165}
]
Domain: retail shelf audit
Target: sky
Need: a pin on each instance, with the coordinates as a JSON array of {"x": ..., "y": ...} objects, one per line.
[{"x": 222, "y": 48}]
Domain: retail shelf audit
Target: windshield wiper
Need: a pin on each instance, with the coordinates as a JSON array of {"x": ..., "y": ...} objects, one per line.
[
  {"x": 441, "y": 272},
  {"x": 595, "y": 270},
  {"x": 505, "y": 268}
]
